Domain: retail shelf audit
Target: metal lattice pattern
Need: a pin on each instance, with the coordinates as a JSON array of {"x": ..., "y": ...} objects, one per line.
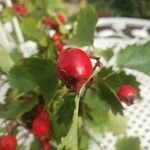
[{"x": 120, "y": 32}]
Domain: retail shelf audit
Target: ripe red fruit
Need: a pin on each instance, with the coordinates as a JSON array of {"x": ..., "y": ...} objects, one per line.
[
  {"x": 59, "y": 48},
  {"x": 46, "y": 145},
  {"x": 41, "y": 112},
  {"x": 8, "y": 142},
  {"x": 127, "y": 94},
  {"x": 19, "y": 9},
  {"x": 49, "y": 22},
  {"x": 56, "y": 37},
  {"x": 61, "y": 18},
  {"x": 41, "y": 126},
  {"x": 74, "y": 68}
]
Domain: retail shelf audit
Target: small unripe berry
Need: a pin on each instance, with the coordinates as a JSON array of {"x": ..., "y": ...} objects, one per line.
[
  {"x": 74, "y": 68},
  {"x": 41, "y": 126},
  {"x": 8, "y": 142},
  {"x": 19, "y": 9},
  {"x": 127, "y": 94},
  {"x": 56, "y": 37},
  {"x": 46, "y": 145}
]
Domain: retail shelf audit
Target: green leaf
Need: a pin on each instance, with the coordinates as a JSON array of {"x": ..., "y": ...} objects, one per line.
[
  {"x": 16, "y": 55},
  {"x": 118, "y": 78},
  {"x": 128, "y": 143},
  {"x": 92, "y": 101},
  {"x": 117, "y": 124},
  {"x": 16, "y": 109},
  {"x": 43, "y": 73},
  {"x": 135, "y": 57},
  {"x": 107, "y": 94},
  {"x": 6, "y": 61},
  {"x": 97, "y": 120},
  {"x": 29, "y": 27},
  {"x": 87, "y": 20},
  {"x": 60, "y": 129},
  {"x": 84, "y": 141},
  {"x": 36, "y": 145},
  {"x": 71, "y": 139},
  {"x": 19, "y": 80},
  {"x": 40, "y": 72},
  {"x": 106, "y": 53},
  {"x": 65, "y": 112}
]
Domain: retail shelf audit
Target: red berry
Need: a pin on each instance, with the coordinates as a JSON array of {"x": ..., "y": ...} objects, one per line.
[
  {"x": 46, "y": 145},
  {"x": 8, "y": 142},
  {"x": 59, "y": 48},
  {"x": 74, "y": 68},
  {"x": 56, "y": 37},
  {"x": 127, "y": 94},
  {"x": 49, "y": 22},
  {"x": 19, "y": 9},
  {"x": 61, "y": 18},
  {"x": 41, "y": 126},
  {"x": 41, "y": 112}
]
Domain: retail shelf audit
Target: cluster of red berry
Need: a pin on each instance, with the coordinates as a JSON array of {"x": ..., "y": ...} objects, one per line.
[
  {"x": 53, "y": 23},
  {"x": 50, "y": 22},
  {"x": 74, "y": 69},
  {"x": 41, "y": 126}
]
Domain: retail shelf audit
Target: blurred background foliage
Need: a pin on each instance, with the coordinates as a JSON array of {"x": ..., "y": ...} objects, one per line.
[
  {"x": 105, "y": 8},
  {"x": 128, "y": 8}
]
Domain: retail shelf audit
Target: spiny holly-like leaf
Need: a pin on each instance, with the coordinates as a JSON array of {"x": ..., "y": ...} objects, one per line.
[
  {"x": 84, "y": 36},
  {"x": 71, "y": 139},
  {"x": 36, "y": 145},
  {"x": 135, "y": 57},
  {"x": 107, "y": 94},
  {"x": 93, "y": 102},
  {"x": 16, "y": 109},
  {"x": 6, "y": 62},
  {"x": 118, "y": 78},
  {"x": 128, "y": 143},
  {"x": 40, "y": 72},
  {"x": 65, "y": 113},
  {"x": 107, "y": 83}
]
